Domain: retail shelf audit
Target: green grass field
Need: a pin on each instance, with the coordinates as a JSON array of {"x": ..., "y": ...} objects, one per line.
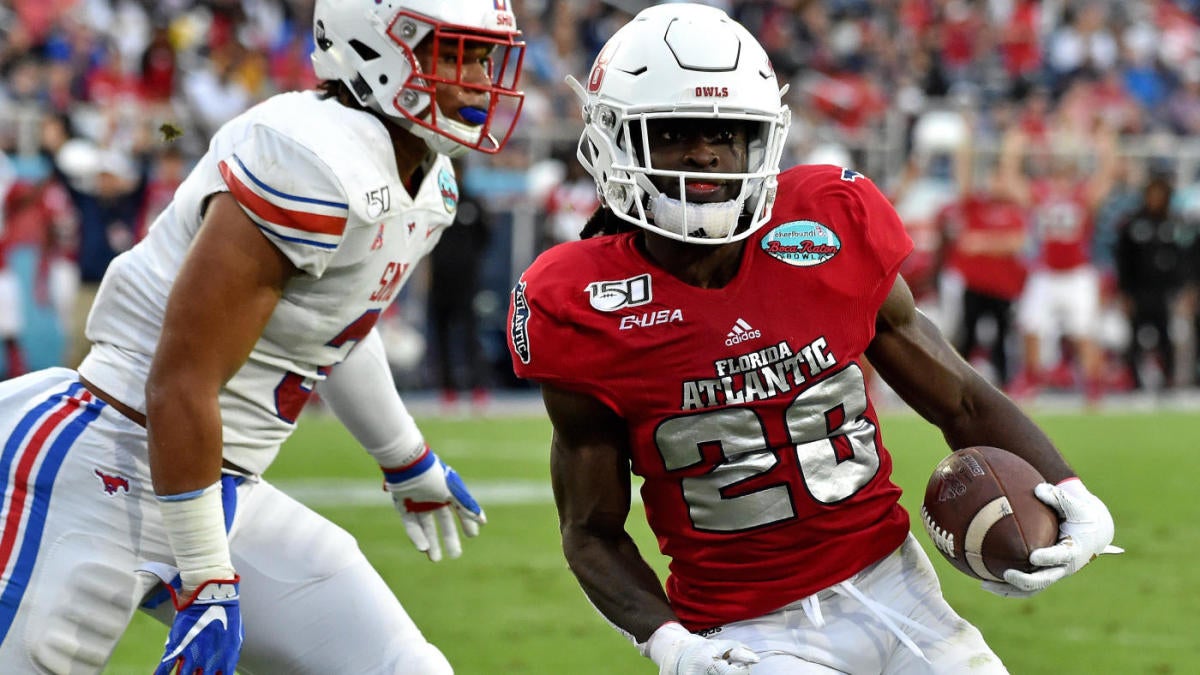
[{"x": 510, "y": 606}]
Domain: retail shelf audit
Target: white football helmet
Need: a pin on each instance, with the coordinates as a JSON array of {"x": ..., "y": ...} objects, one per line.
[
  {"x": 369, "y": 46},
  {"x": 681, "y": 61}
]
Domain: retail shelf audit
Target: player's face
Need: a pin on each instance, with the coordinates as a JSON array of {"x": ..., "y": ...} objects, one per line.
[
  {"x": 474, "y": 74},
  {"x": 699, "y": 145}
]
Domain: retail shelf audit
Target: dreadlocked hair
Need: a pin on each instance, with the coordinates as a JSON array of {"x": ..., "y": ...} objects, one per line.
[
  {"x": 604, "y": 221},
  {"x": 337, "y": 90}
]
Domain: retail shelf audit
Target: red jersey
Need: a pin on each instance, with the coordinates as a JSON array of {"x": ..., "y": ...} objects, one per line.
[
  {"x": 1062, "y": 225},
  {"x": 1001, "y": 276},
  {"x": 765, "y": 474}
]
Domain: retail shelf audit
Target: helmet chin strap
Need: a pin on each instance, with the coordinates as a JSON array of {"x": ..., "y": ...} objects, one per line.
[{"x": 704, "y": 220}]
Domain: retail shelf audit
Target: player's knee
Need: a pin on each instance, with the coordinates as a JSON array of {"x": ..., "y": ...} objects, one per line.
[
  {"x": 74, "y": 624},
  {"x": 421, "y": 658}
]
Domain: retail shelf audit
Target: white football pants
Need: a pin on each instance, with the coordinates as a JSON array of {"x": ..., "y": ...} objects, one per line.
[
  {"x": 80, "y": 516},
  {"x": 845, "y": 628}
]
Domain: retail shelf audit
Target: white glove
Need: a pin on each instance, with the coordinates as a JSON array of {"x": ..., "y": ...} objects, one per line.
[
  {"x": 1085, "y": 531},
  {"x": 428, "y": 494},
  {"x": 678, "y": 652}
]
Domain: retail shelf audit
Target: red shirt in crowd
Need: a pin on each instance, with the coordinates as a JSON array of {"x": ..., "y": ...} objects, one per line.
[
  {"x": 979, "y": 218},
  {"x": 1063, "y": 225}
]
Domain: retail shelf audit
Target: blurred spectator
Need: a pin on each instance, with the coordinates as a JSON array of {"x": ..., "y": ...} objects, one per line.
[
  {"x": 110, "y": 82},
  {"x": 1151, "y": 254},
  {"x": 453, "y": 287},
  {"x": 570, "y": 203},
  {"x": 925, "y": 187},
  {"x": 107, "y": 188},
  {"x": 11, "y": 320},
  {"x": 1183, "y": 106},
  {"x": 986, "y": 237},
  {"x": 1191, "y": 303},
  {"x": 289, "y": 67},
  {"x": 167, "y": 171},
  {"x": 1062, "y": 296},
  {"x": 1020, "y": 41},
  {"x": 158, "y": 67},
  {"x": 216, "y": 94},
  {"x": 1082, "y": 42},
  {"x": 39, "y": 216}
]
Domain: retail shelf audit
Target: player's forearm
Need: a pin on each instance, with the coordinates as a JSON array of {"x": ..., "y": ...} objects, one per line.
[
  {"x": 184, "y": 429},
  {"x": 991, "y": 418},
  {"x": 618, "y": 582},
  {"x": 185, "y": 464},
  {"x": 362, "y": 393},
  {"x": 916, "y": 360}
]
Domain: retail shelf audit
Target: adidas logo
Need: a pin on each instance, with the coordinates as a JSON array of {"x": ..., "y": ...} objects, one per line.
[{"x": 741, "y": 332}]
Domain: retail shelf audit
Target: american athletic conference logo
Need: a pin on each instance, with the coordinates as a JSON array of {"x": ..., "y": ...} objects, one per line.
[
  {"x": 802, "y": 243},
  {"x": 449, "y": 189}
]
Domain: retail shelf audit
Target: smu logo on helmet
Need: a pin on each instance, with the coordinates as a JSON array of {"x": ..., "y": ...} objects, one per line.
[
  {"x": 802, "y": 243},
  {"x": 609, "y": 296},
  {"x": 712, "y": 92},
  {"x": 519, "y": 328}
]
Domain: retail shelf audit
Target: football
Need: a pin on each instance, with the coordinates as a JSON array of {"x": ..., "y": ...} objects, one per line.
[{"x": 982, "y": 515}]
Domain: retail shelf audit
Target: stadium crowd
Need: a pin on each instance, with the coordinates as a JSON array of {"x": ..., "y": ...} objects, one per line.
[{"x": 1040, "y": 153}]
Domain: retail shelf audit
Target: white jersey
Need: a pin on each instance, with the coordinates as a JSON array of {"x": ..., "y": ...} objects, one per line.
[{"x": 320, "y": 180}]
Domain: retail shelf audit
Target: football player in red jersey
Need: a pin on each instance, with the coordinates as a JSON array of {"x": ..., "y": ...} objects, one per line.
[
  {"x": 986, "y": 229},
  {"x": 1063, "y": 292},
  {"x": 709, "y": 335}
]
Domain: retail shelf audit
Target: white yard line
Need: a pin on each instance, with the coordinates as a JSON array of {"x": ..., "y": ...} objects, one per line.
[{"x": 321, "y": 493}]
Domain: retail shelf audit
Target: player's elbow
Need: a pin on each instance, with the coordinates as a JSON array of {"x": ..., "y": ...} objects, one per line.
[
  {"x": 582, "y": 542},
  {"x": 171, "y": 388}
]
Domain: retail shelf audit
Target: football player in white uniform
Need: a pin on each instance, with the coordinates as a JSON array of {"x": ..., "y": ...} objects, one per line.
[{"x": 263, "y": 277}]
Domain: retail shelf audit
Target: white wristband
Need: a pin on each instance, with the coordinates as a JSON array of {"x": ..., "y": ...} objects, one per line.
[{"x": 195, "y": 525}]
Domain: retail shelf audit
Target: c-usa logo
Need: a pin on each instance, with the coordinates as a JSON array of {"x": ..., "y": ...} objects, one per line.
[{"x": 609, "y": 296}]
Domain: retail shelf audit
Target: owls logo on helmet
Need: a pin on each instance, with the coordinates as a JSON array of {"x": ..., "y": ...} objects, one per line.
[
  {"x": 369, "y": 46},
  {"x": 679, "y": 61}
]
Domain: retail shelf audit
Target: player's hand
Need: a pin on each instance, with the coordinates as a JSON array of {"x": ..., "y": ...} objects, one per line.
[
  {"x": 679, "y": 652},
  {"x": 430, "y": 496},
  {"x": 206, "y": 636},
  {"x": 1085, "y": 531}
]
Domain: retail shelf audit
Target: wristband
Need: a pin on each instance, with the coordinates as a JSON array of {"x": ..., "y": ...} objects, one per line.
[
  {"x": 195, "y": 525},
  {"x": 400, "y": 455},
  {"x": 415, "y": 467}
]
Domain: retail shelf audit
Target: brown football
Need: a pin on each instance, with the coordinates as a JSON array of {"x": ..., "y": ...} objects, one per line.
[{"x": 982, "y": 515}]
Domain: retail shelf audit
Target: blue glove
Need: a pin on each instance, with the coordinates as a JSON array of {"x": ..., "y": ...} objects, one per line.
[
  {"x": 206, "y": 637},
  {"x": 428, "y": 494}
]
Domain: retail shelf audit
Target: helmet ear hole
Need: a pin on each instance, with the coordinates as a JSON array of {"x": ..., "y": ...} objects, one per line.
[{"x": 364, "y": 52}]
